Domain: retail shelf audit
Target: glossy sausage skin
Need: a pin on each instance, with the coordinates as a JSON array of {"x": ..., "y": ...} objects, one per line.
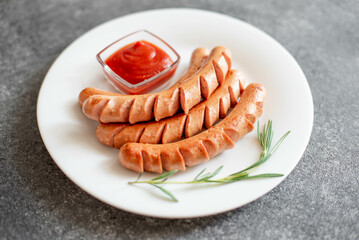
[
  {"x": 171, "y": 129},
  {"x": 198, "y": 57},
  {"x": 141, "y": 157},
  {"x": 139, "y": 108}
]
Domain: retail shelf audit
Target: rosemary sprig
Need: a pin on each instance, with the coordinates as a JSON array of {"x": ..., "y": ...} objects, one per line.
[{"x": 265, "y": 140}]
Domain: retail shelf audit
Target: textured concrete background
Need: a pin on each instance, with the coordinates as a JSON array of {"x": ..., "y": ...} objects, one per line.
[{"x": 319, "y": 200}]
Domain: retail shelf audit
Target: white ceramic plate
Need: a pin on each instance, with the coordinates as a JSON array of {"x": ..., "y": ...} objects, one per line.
[{"x": 70, "y": 137}]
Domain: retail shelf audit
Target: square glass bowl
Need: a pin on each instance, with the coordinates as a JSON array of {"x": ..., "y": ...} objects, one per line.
[{"x": 149, "y": 83}]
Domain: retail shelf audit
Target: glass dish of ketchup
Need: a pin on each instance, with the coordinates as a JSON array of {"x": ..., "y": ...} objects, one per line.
[{"x": 138, "y": 62}]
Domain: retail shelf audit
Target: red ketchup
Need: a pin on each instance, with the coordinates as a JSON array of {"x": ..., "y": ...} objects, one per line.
[{"x": 137, "y": 62}]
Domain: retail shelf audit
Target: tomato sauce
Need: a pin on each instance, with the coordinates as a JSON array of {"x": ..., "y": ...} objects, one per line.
[{"x": 138, "y": 61}]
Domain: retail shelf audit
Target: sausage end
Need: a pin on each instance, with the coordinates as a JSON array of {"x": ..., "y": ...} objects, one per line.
[{"x": 131, "y": 158}]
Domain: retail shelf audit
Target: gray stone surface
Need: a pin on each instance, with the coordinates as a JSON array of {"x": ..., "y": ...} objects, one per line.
[{"x": 319, "y": 200}]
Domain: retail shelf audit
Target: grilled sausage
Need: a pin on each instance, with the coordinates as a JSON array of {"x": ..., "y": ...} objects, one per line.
[
  {"x": 141, "y": 157},
  {"x": 171, "y": 129}
]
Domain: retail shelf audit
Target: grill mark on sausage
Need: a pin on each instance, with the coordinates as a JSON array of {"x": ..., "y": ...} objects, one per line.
[
  {"x": 106, "y": 133},
  {"x": 228, "y": 140},
  {"x": 139, "y": 135},
  {"x": 225, "y": 103},
  {"x": 194, "y": 154},
  {"x": 114, "y": 136},
  {"x": 259, "y": 104},
  {"x": 166, "y": 106},
  {"x": 177, "y": 122},
  {"x": 209, "y": 81},
  {"x": 231, "y": 133},
  {"x": 149, "y": 138},
  {"x": 218, "y": 71},
  {"x": 90, "y": 91},
  {"x": 210, "y": 146},
  {"x": 194, "y": 122},
  {"x": 114, "y": 110},
  {"x": 99, "y": 105},
  {"x": 162, "y": 132},
  {"x": 204, "y": 151},
  {"x": 128, "y": 135},
  {"x": 250, "y": 118},
  {"x": 172, "y": 160},
  {"x": 151, "y": 161},
  {"x": 227, "y": 57},
  {"x": 181, "y": 155},
  {"x": 141, "y": 109},
  {"x": 103, "y": 108}
]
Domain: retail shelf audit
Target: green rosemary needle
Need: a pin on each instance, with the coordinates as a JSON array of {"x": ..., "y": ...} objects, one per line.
[{"x": 265, "y": 140}]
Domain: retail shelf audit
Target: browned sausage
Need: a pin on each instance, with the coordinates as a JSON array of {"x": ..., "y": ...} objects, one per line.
[
  {"x": 141, "y": 157},
  {"x": 171, "y": 129},
  {"x": 198, "y": 57},
  {"x": 138, "y": 108}
]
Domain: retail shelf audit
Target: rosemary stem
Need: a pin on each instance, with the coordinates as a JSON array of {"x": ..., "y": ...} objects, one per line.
[{"x": 166, "y": 182}]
